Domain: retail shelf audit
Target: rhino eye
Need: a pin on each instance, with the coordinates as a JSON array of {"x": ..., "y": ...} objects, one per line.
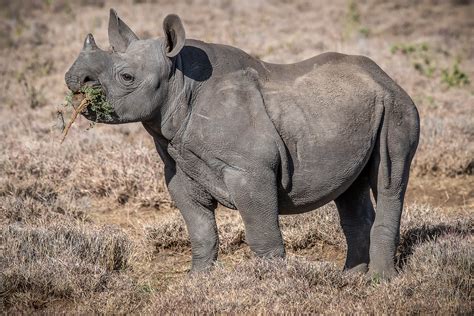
[{"x": 127, "y": 77}]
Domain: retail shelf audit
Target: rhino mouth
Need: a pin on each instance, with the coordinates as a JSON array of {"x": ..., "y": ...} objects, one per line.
[{"x": 92, "y": 103}]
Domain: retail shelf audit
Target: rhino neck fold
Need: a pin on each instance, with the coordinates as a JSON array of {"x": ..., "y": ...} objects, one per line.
[{"x": 175, "y": 111}]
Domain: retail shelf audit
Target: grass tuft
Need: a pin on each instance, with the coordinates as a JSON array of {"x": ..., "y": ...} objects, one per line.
[{"x": 58, "y": 261}]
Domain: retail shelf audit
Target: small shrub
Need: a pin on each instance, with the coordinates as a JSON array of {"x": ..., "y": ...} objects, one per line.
[
  {"x": 353, "y": 21},
  {"x": 407, "y": 48},
  {"x": 420, "y": 57},
  {"x": 454, "y": 76}
]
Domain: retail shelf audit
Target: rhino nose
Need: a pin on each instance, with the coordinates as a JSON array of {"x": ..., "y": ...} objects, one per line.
[{"x": 75, "y": 82}]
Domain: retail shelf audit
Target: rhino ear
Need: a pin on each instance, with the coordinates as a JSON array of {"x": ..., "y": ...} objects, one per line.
[
  {"x": 174, "y": 35},
  {"x": 120, "y": 35}
]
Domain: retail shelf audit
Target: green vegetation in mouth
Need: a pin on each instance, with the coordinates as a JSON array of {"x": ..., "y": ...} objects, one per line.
[
  {"x": 91, "y": 98},
  {"x": 98, "y": 103}
]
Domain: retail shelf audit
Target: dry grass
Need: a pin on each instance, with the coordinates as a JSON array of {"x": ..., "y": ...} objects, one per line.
[
  {"x": 436, "y": 280},
  {"x": 59, "y": 261},
  {"x": 300, "y": 232},
  {"x": 50, "y": 265},
  {"x": 89, "y": 227}
]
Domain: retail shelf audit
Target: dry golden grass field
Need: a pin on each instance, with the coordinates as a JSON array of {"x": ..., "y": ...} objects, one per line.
[{"x": 88, "y": 226}]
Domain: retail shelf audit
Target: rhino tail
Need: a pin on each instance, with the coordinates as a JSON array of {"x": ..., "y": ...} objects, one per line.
[{"x": 385, "y": 160}]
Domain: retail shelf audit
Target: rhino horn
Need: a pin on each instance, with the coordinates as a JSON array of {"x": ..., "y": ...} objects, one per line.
[{"x": 89, "y": 43}]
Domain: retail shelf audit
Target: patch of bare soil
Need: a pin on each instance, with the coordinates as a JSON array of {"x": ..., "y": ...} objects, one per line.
[{"x": 450, "y": 193}]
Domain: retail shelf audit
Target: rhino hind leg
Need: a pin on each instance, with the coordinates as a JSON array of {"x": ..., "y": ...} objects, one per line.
[
  {"x": 385, "y": 232},
  {"x": 389, "y": 171},
  {"x": 356, "y": 214}
]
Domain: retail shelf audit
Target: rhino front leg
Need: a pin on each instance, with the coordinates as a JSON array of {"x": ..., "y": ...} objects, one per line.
[
  {"x": 255, "y": 196},
  {"x": 197, "y": 208}
]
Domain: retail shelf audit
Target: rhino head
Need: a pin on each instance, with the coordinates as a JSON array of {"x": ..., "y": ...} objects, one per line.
[{"x": 134, "y": 74}]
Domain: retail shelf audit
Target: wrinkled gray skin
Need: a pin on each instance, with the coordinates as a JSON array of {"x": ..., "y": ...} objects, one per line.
[{"x": 265, "y": 139}]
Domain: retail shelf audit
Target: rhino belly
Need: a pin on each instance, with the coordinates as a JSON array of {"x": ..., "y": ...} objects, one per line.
[
  {"x": 327, "y": 145},
  {"x": 321, "y": 173}
]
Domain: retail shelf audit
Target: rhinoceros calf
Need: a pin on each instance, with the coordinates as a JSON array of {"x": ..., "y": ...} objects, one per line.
[{"x": 265, "y": 139}]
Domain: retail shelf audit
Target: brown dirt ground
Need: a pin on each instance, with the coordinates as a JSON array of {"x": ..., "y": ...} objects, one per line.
[{"x": 446, "y": 192}]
